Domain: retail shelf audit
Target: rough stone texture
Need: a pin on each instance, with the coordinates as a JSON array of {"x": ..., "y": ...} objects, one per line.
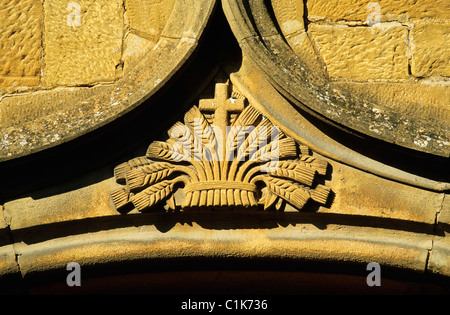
[
  {"x": 8, "y": 265},
  {"x": 391, "y": 10},
  {"x": 20, "y": 43},
  {"x": 430, "y": 45},
  {"x": 426, "y": 100},
  {"x": 92, "y": 71},
  {"x": 85, "y": 54},
  {"x": 358, "y": 194},
  {"x": 363, "y": 53},
  {"x": 298, "y": 241},
  {"x": 439, "y": 261},
  {"x": 290, "y": 15},
  {"x": 49, "y": 206},
  {"x": 24, "y": 108},
  {"x": 135, "y": 48},
  {"x": 148, "y": 18}
]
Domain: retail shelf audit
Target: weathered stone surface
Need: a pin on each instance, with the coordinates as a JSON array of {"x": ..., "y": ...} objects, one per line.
[
  {"x": 90, "y": 201},
  {"x": 390, "y": 10},
  {"x": 26, "y": 108},
  {"x": 366, "y": 71},
  {"x": 83, "y": 42},
  {"x": 359, "y": 194},
  {"x": 362, "y": 53},
  {"x": 148, "y": 18},
  {"x": 8, "y": 264},
  {"x": 20, "y": 43},
  {"x": 135, "y": 48},
  {"x": 444, "y": 212},
  {"x": 300, "y": 242},
  {"x": 290, "y": 18},
  {"x": 439, "y": 261},
  {"x": 94, "y": 61},
  {"x": 289, "y": 13},
  {"x": 430, "y": 45},
  {"x": 426, "y": 100}
]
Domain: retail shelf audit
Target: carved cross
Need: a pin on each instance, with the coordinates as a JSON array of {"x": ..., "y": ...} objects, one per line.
[{"x": 221, "y": 105}]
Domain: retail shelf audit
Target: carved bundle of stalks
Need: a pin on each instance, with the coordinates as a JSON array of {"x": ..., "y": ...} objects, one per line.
[{"x": 231, "y": 177}]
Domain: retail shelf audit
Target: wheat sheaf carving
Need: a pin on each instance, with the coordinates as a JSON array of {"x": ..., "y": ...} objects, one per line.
[{"x": 224, "y": 154}]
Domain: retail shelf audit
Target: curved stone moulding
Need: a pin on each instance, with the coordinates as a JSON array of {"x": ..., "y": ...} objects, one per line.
[
  {"x": 57, "y": 112},
  {"x": 304, "y": 82},
  {"x": 260, "y": 79},
  {"x": 299, "y": 242}
]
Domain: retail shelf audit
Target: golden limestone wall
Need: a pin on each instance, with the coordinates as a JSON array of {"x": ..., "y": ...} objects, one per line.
[
  {"x": 392, "y": 52},
  {"x": 54, "y": 43},
  {"x": 20, "y": 42},
  {"x": 56, "y": 54},
  {"x": 384, "y": 39},
  {"x": 83, "y": 41}
]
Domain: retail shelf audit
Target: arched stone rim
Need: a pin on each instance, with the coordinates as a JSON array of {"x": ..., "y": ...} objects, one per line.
[{"x": 150, "y": 245}]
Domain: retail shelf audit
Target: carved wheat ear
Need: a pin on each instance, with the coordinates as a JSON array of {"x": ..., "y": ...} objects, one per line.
[
  {"x": 152, "y": 195},
  {"x": 164, "y": 151},
  {"x": 179, "y": 131},
  {"x": 295, "y": 171},
  {"x": 203, "y": 134},
  {"x": 288, "y": 190},
  {"x": 192, "y": 119},
  {"x": 320, "y": 194},
  {"x": 121, "y": 169},
  {"x": 236, "y": 94},
  {"x": 270, "y": 199},
  {"x": 148, "y": 175},
  {"x": 247, "y": 118},
  {"x": 319, "y": 165},
  {"x": 251, "y": 142},
  {"x": 120, "y": 197},
  {"x": 282, "y": 149}
]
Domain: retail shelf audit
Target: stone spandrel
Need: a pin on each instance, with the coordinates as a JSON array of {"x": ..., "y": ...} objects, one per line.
[
  {"x": 20, "y": 43},
  {"x": 83, "y": 41}
]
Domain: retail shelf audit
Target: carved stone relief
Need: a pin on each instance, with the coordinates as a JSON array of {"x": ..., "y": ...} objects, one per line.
[
  {"x": 217, "y": 185},
  {"x": 226, "y": 153}
]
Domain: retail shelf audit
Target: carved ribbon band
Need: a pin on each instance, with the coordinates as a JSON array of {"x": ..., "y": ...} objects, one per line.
[{"x": 210, "y": 185}]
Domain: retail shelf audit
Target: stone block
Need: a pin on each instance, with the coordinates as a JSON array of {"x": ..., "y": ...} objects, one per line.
[
  {"x": 430, "y": 45},
  {"x": 83, "y": 41},
  {"x": 20, "y": 42},
  {"x": 363, "y": 53},
  {"x": 50, "y": 206},
  {"x": 148, "y": 18},
  {"x": 389, "y": 10},
  {"x": 362, "y": 194},
  {"x": 290, "y": 15},
  {"x": 8, "y": 264},
  {"x": 439, "y": 261}
]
